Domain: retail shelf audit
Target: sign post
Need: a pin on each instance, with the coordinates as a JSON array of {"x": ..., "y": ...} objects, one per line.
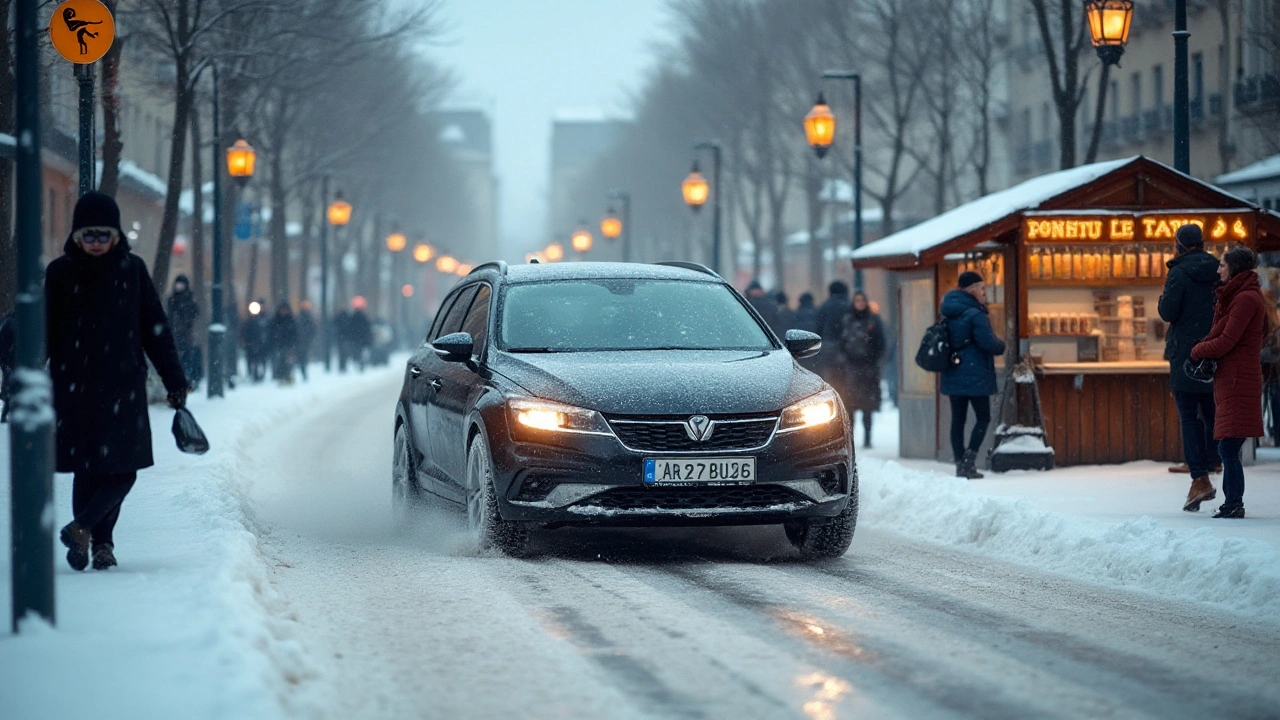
[{"x": 82, "y": 32}]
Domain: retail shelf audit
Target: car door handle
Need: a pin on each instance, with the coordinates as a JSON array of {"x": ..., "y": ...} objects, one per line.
[
  {"x": 437, "y": 384},
  {"x": 414, "y": 370}
]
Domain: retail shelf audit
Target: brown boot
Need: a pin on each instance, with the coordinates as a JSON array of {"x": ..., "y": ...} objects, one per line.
[
  {"x": 1201, "y": 490},
  {"x": 1179, "y": 469}
]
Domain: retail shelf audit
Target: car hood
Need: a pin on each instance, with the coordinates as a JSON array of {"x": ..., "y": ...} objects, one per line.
[{"x": 663, "y": 382}]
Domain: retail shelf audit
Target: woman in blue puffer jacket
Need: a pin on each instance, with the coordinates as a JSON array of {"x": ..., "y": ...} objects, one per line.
[{"x": 973, "y": 381}]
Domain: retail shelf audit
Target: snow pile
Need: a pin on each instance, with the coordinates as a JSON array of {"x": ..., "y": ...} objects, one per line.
[
  {"x": 1240, "y": 574},
  {"x": 189, "y": 624}
]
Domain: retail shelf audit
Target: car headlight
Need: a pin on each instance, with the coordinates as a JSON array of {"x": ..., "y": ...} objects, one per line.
[
  {"x": 813, "y": 411},
  {"x": 532, "y": 416}
]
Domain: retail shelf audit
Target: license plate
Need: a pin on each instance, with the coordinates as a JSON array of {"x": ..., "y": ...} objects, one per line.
[{"x": 699, "y": 471}]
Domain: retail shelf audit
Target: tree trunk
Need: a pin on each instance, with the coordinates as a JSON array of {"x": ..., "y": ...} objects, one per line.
[
  {"x": 177, "y": 156},
  {"x": 8, "y": 96},
  {"x": 251, "y": 284},
  {"x": 198, "y": 284},
  {"x": 279, "y": 236},
  {"x": 308, "y": 228},
  {"x": 112, "y": 142}
]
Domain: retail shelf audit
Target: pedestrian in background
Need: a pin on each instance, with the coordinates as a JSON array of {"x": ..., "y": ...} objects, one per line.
[
  {"x": 786, "y": 316},
  {"x": 357, "y": 332},
  {"x": 105, "y": 320},
  {"x": 184, "y": 313},
  {"x": 831, "y": 325},
  {"x": 862, "y": 347},
  {"x": 972, "y": 382},
  {"x": 1187, "y": 305},
  {"x": 256, "y": 338},
  {"x": 283, "y": 332},
  {"x": 306, "y": 336},
  {"x": 764, "y": 305},
  {"x": 806, "y": 318},
  {"x": 1235, "y": 341}
]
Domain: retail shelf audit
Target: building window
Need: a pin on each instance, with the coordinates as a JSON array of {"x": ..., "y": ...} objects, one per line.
[
  {"x": 1197, "y": 76},
  {"x": 1137, "y": 93},
  {"x": 1157, "y": 86}
]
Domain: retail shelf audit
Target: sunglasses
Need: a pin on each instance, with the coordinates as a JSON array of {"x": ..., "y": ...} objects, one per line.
[{"x": 96, "y": 235}]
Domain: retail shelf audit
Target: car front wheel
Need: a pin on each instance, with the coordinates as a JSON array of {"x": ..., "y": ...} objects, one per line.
[
  {"x": 824, "y": 539},
  {"x": 405, "y": 497},
  {"x": 486, "y": 525}
]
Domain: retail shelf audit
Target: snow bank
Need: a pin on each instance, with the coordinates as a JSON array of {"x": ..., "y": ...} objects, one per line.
[
  {"x": 189, "y": 625},
  {"x": 1239, "y": 574}
]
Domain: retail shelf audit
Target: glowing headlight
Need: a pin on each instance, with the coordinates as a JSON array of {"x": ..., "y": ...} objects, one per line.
[
  {"x": 545, "y": 415},
  {"x": 814, "y": 410}
]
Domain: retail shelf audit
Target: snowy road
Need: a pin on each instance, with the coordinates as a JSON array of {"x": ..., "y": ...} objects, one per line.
[{"x": 721, "y": 623}]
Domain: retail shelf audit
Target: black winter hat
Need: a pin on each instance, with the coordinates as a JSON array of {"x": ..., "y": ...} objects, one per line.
[
  {"x": 969, "y": 278},
  {"x": 838, "y": 287},
  {"x": 1190, "y": 236},
  {"x": 95, "y": 209}
]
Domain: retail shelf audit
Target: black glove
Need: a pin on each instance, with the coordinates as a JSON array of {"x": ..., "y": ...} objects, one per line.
[{"x": 178, "y": 399}]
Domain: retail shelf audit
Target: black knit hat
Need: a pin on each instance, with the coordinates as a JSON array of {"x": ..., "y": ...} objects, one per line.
[
  {"x": 969, "y": 278},
  {"x": 1190, "y": 236},
  {"x": 94, "y": 209},
  {"x": 838, "y": 287}
]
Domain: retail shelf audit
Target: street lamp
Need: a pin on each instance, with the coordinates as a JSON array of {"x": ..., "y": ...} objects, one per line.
[
  {"x": 581, "y": 238},
  {"x": 555, "y": 252},
  {"x": 397, "y": 242},
  {"x": 695, "y": 188},
  {"x": 1109, "y": 22},
  {"x": 820, "y": 130},
  {"x": 463, "y": 270},
  {"x": 339, "y": 211},
  {"x": 447, "y": 264},
  {"x": 697, "y": 191},
  {"x": 422, "y": 252},
  {"x": 241, "y": 159},
  {"x": 619, "y": 226},
  {"x": 338, "y": 214}
]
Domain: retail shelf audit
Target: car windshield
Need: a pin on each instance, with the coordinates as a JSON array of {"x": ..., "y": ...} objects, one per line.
[{"x": 626, "y": 314}]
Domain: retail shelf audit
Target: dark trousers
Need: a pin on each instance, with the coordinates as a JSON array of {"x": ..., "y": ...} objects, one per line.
[
  {"x": 96, "y": 500},
  {"x": 1232, "y": 471},
  {"x": 1196, "y": 415},
  {"x": 960, "y": 414}
]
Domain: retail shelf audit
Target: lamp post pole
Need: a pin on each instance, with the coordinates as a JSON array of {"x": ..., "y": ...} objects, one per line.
[
  {"x": 84, "y": 77},
  {"x": 857, "y": 161},
  {"x": 714, "y": 147},
  {"x": 1181, "y": 92},
  {"x": 218, "y": 324},
  {"x": 31, "y": 418},
  {"x": 625, "y": 197},
  {"x": 325, "y": 324}
]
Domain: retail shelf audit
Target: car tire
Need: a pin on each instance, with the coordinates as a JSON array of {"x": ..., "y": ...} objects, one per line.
[
  {"x": 406, "y": 496},
  {"x": 483, "y": 518},
  {"x": 825, "y": 538}
]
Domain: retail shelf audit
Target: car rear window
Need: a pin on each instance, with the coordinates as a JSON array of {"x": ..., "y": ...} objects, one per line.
[{"x": 626, "y": 314}]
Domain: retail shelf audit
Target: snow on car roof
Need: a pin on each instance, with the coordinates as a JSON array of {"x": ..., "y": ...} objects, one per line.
[
  {"x": 979, "y": 213},
  {"x": 579, "y": 270}
]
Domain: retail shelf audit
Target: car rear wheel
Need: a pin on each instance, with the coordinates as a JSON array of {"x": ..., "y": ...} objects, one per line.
[
  {"x": 486, "y": 525},
  {"x": 823, "y": 538},
  {"x": 405, "y": 496}
]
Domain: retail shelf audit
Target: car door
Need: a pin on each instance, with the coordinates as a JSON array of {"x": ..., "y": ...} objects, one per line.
[
  {"x": 446, "y": 411},
  {"x": 424, "y": 372}
]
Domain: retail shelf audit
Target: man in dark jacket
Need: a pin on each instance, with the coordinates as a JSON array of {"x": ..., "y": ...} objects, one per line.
[
  {"x": 306, "y": 336},
  {"x": 283, "y": 332},
  {"x": 806, "y": 318},
  {"x": 255, "y": 335},
  {"x": 105, "y": 319},
  {"x": 786, "y": 316},
  {"x": 183, "y": 313},
  {"x": 765, "y": 305},
  {"x": 1187, "y": 305},
  {"x": 973, "y": 381},
  {"x": 830, "y": 327}
]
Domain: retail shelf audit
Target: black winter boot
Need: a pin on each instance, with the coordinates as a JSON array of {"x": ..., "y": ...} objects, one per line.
[
  {"x": 76, "y": 538},
  {"x": 971, "y": 466},
  {"x": 104, "y": 556}
]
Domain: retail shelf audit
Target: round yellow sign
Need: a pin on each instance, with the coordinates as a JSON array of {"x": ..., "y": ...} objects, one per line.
[{"x": 82, "y": 30}]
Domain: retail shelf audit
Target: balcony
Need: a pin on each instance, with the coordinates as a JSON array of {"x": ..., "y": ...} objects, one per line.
[
  {"x": 1257, "y": 93},
  {"x": 1156, "y": 122},
  {"x": 1215, "y": 105},
  {"x": 1197, "y": 112},
  {"x": 1131, "y": 129}
]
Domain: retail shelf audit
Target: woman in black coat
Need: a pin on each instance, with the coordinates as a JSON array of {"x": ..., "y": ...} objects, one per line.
[
  {"x": 105, "y": 319},
  {"x": 862, "y": 350}
]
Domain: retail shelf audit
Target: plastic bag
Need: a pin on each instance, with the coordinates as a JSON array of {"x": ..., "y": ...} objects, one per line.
[{"x": 187, "y": 432}]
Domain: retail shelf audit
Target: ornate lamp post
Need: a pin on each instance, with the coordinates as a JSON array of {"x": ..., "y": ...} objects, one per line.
[
  {"x": 820, "y": 130},
  {"x": 241, "y": 159},
  {"x": 396, "y": 244},
  {"x": 338, "y": 214},
  {"x": 697, "y": 191},
  {"x": 1109, "y": 22},
  {"x": 612, "y": 226}
]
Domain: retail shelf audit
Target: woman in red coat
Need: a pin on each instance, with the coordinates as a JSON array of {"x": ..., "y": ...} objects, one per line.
[{"x": 1239, "y": 328}]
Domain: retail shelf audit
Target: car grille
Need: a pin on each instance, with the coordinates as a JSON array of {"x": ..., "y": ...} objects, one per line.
[
  {"x": 696, "y": 498},
  {"x": 671, "y": 436}
]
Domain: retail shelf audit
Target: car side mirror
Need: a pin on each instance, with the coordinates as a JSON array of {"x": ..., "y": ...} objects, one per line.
[
  {"x": 803, "y": 344},
  {"x": 454, "y": 347}
]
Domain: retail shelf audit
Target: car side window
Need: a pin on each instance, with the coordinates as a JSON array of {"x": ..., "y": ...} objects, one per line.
[
  {"x": 448, "y": 310},
  {"x": 477, "y": 320},
  {"x": 457, "y": 312}
]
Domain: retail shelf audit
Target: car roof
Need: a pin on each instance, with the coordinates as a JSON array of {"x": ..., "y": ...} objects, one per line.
[{"x": 540, "y": 272}]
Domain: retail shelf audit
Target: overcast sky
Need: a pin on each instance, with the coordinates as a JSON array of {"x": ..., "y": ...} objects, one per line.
[{"x": 525, "y": 60}]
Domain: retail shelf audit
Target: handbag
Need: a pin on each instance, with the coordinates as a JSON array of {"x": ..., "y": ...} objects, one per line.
[
  {"x": 1200, "y": 370},
  {"x": 187, "y": 432}
]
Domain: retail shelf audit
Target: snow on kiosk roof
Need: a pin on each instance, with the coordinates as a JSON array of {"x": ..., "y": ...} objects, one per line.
[{"x": 1128, "y": 184}]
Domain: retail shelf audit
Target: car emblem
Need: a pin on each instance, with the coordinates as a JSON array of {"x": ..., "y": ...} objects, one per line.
[{"x": 700, "y": 428}]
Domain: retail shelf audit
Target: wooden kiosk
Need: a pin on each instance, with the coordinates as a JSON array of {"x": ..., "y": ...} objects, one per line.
[{"x": 1075, "y": 264}]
